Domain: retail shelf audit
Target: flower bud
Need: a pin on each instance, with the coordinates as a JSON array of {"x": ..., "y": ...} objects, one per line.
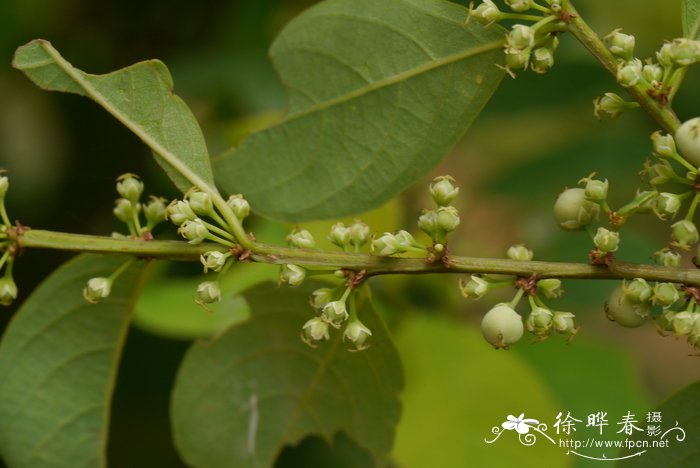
[
  {"x": 516, "y": 58},
  {"x": 179, "y": 211},
  {"x": 665, "y": 294},
  {"x": 606, "y": 240},
  {"x": 200, "y": 202},
  {"x": 385, "y": 245},
  {"x": 357, "y": 333},
  {"x": 652, "y": 73},
  {"x": 214, "y": 260},
  {"x": 667, "y": 205},
  {"x": 539, "y": 321},
  {"x": 684, "y": 51},
  {"x": 550, "y": 288},
  {"x": 124, "y": 210},
  {"x": 519, "y": 252},
  {"x": 520, "y": 37},
  {"x": 683, "y": 323},
  {"x": 502, "y": 326},
  {"x": 664, "y": 321},
  {"x": 194, "y": 231},
  {"x": 688, "y": 140},
  {"x": 4, "y": 185},
  {"x": 667, "y": 257},
  {"x": 340, "y": 235},
  {"x": 596, "y": 190},
  {"x": 301, "y": 238},
  {"x": 610, "y": 104},
  {"x": 208, "y": 292},
  {"x": 359, "y": 233},
  {"x": 620, "y": 44},
  {"x": 428, "y": 223},
  {"x": 447, "y": 218},
  {"x": 335, "y": 313},
  {"x": 542, "y": 59},
  {"x": 154, "y": 211},
  {"x": 637, "y": 291},
  {"x": 629, "y": 73},
  {"x": 320, "y": 297},
  {"x": 684, "y": 233},
  {"x": 475, "y": 288},
  {"x": 573, "y": 211},
  {"x": 314, "y": 331},
  {"x": 486, "y": 13},
  {"x": 8, "y": 290},
  {"x": 563, "y": 322},
  {"x": 443, "y": 190},
  {"x": 660, "y": 173},
  {"x": 406, "y": 241},
  {"x": 519, "y": 5},
  {"x": 619, "y": 309},
  {"x": 239, "y": 206},
  {"x": 130, "y": 187},
  {"x": 663, "y": 144},
  {"x": 664, "y": 55},
  {"x": 292, "y": 274},
  {"x": 95, "y": 290}
]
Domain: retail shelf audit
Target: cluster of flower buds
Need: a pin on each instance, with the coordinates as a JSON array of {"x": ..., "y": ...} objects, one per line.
[
  {"x": 526, "y": 46},
  {"x": 335, "y": 314},
  {"x": 351, "y": 237},
  {"x": 128, "y": 208},
  {"x": 502, "y": 326},
  {"x": 438, "y": 223},
  {"x": 8, "y": 287}
]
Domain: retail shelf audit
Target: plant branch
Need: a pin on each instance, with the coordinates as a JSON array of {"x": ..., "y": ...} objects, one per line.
[
  {"x": 663, "y": 115},
  {"x": 373, "y": 266}
]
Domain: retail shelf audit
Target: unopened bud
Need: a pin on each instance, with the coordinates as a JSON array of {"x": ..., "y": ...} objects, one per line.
[
  {"x": 475, "y": 288},
  {"x": 4, "y": 185},
  {"x": 239, "y": 206},
  {"x": 194, "y": 231},
  {"x": 667, "y": 257},
  {"x": 637, "y": 291},
  {"x": 359, "y": 233},
  {"x": 620, "y": 44},
  {"x": 124, "y": 210},
  {"x": 665, "y": 294},
  {"x": 385, "y": 245},
  {"x": 606, "y": 240},
  {"x": 688, "y": 140},
  {"x": 8, "y": 290},
  {"x": 340, "y": 235},
  {"x": 610, "y": 105},
  {"x": 539, "y": 321},
  {"x": 130, "y": 187},
  {"x": 179, "y": 211},
  {"x": 550, "y": 288},
  {"x": 208, "y": 292},
  {"x": 542, "y": 59},
  {"x": 443, "y": 190},
  {"x": 335, "y": 313},
  {"x": 663, "y": 144},
  {"x": 573, "y": 211},
  {"x": 301, "y": 238},
  {"x": 448, "y": 218},
  {"x": 629, "y": 73},
  {"x": 502, "y": 326},
  {"x": 314, "y": 331},
  {"x": 520, "y": 37},
  {"x": 155, "y": 211},
  {"x": 200, "y": 202},
  {"x": 95, "y": 290},
  {"x": 214, "y": 260},
  {"x": 684, "y": 51},
  {"x": 487, "y": 12},
  {"x": 667, "y": 205},
  {"x": 357, "y": 333},
  {"x": 292, "y": 274},
  {"x": 563, "y": 322},
  {"x": 320, "y": 297},
  {"x": 684, "y": 233},
  {"x": 519, "y": 252}
]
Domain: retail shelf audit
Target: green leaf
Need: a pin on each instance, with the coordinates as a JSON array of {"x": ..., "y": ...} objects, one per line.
[
  {"x": 58, "y": 365},
  {"x": 240, "y": 398},
  {"x": 681, "y": 410},
  {"x": 690, "y": 13},
  {"x": 139, "y": 96},
  {"x": 379, "y": 93}
]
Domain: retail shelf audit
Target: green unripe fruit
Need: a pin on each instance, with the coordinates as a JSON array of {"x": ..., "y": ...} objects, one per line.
[
  {"x": 621, "y": 310},
  {"x": 502, "y": 326},
  {"x": 688, "y": 140},
  {"x": 573, "y": 211}
]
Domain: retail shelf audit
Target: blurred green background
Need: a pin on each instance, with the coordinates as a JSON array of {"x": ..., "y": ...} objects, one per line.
[{"x": 536, "y": 136}]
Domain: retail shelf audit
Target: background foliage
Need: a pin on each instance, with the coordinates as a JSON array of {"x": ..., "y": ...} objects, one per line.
[{"x": 59, "y": 148}]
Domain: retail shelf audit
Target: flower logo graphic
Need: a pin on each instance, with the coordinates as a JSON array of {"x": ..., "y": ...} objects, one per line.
[{"x": 521, "y": 425}]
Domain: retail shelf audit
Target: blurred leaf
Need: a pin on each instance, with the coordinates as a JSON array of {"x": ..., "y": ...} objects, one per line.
[
  {"x": 681, "y": 410},
  {"x": 58, "y": 365},
  {"x": 167, "y": 306},
  {"x": 140, "y": 96},
  {"x": 379, "y": 93},
  {"x": 690, "y": 12},
  {"x": 241, "y": 397},
  {"x": 457, "y": 389}
]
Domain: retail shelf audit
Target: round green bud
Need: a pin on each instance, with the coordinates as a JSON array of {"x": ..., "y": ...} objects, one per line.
[
  {"x": 428, "y": 223},
  {"x": 550, "y": 288},
  {"x": 519, "y": 5},
  {"x": 542, "y": 59},
  {"x": 293, "y": 275},
  {"x": 214, "y": 260},
  {"x": 520, "y": 37},
  {"x": 596, "y": 190},
  {"x": 314, "y": 331},
  {"x": 239, "y": 206},
  {"x": 621, "y": 310},
  {"x": 502, "y": 326},
  {"x": 517, "y": 59},
  {"x": 335, "y": 313},
  {"x": 4, "y": 185},
  {"x": 385, "y": 245},
  {"x": 155, "y": 210},
  {"x": 688, "y": 140},
  {"x": 684, "y": 51},
  {"x": 563, "y": 322},
  {"x": 620, "y": 44},
  {"x": 320, "y": 297},
  {"x": 637, "y": 291},
  {"x": 652, "y": 73},
  {"x": 448, "y": 218},
  {"x": 683, "y": 323},
  {"x": 200, "y": 202},
  {"x": 665, "y": 294},
  {"x": 8, "y": 290},
  {"x": 194, "y": 231},
  {"x": 359, "y": 233},
  {"x": 208, "y": 292},
  {"x": 486, "y": 13},
  {"x": 664, "y": 55},
  {"x": 684, "y": 233},
  {"x": 406, "y": 241},
  {"x": 667, "y": 257},
  {"x": 179, "y": 211},
  {"x": 443, "y": 190},
  {"x": 610, "y": 104},
  {"x": 301, "y": 238},
  {"x": 663, "y": 145},
  {"x": 475, "y": 288},
  {"x": 94, "y": 291},
  {"x": 660, "y": 173},
  {"x": 340, "y": 235},
  {"x": 357, "y": 333},
  {"x": 606, "y": 240},
  {"x": 124, "y": 210},
  {"x": 664, "y": 321},
  {"x": 539, "y": 321},
  {"x": 667, "y": 205},
  {"x": 130, "y": 187},
  {"x": 573, "y": 211},
  {"x": 629, "y": 73},
  {"x": 519, "y": 252}
]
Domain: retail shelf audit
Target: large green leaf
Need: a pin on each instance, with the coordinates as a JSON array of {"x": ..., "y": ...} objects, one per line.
[
  {"x": 379, "y": 93},
  {"x": 680, "y": 416},
  {"x": 241, "y": 397},
  {"x": 139, "y": 96},
  {"x": 58, "y": 365},
  {"x": 690, "y": 11}
]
